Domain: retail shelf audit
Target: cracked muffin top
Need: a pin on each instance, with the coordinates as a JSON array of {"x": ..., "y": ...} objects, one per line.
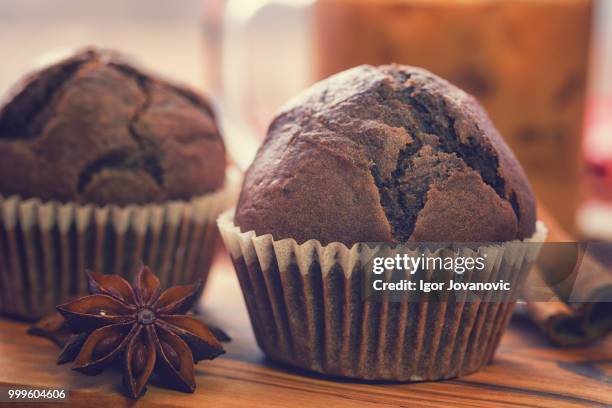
[
  {"x": 95, "y": 129},
  {"x": 385, "y": 154}
]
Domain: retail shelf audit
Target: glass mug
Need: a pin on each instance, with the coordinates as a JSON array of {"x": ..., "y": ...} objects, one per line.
[{"x": 526, "y": 61}]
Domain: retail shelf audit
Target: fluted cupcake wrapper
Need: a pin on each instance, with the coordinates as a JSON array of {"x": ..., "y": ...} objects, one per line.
[
  {"x": 46, "y": 247},
  {"x": 307, "y": 308}
]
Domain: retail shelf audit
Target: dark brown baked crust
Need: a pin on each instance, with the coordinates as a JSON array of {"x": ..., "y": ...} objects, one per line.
[
  {"x": 383, "y": 154},
  {"x": 95, "y": 129}
]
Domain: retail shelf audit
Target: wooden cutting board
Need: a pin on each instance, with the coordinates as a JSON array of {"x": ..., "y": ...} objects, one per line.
[{"x": 527, "y": 371}]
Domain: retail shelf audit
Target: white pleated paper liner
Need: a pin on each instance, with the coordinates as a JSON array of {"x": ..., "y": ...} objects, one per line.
[
  {"x": 46, "y": 247},
  {"x": 307, "y": 309}
]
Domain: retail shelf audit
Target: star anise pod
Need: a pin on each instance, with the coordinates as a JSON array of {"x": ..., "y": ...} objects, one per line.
[
  {"x": 142, "y": 327},
  {"x": 52, "y": 327}
]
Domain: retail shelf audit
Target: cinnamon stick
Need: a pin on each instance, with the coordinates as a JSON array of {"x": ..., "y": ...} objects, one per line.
[{"x": 575, "y": 312}]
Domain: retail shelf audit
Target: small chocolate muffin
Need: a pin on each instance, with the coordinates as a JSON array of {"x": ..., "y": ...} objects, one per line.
[
  {"x": 385, "y": 154},
  {"x": 104, "y": 166},
  {"x": 388, "y": 154},
  {"x": 95, "y": 129}
]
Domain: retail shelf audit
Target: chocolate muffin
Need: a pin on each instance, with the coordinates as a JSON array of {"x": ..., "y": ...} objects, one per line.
[
  {"x": 104, "y": 166},
  {"x": 392, "y": 153},
  {"x": 371, "y": 156},
  {"x": 95, "y": 129}
]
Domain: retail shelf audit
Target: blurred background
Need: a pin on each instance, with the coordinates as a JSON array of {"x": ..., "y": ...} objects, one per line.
[{"x": 542, "y": 68}]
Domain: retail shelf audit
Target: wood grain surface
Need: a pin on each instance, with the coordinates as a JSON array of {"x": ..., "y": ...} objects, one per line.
[{"x": 527, "y": 371}]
